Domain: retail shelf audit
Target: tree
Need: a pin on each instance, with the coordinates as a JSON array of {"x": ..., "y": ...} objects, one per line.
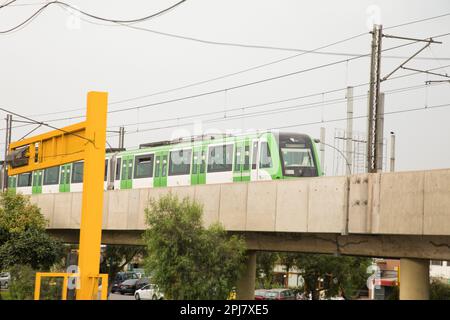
[
  {"x": 186, "y": 260},
  {"x": 23, "y": 239},
  {"x": 265, "y": 264},
  {"x": 115, "y": 258},
  {"x": 335, "y": 275},
  {"x": 439, "y": 290}
]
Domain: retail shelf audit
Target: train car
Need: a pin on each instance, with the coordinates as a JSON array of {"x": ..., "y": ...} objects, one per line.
[{"x": 190, "y": 161}]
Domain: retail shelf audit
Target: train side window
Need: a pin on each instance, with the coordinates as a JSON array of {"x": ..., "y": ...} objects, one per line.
[
  {"x": 24, "y": 180},
  {"x": 118, "y": 166},
  {"x": 220, "y": 158},
  {"x": 77, "y": 172},
  {"x": 247, "y": 158},
  {"x": 265, "y": 160},
  {"x": 180, "y": 162},
  {"x": 254, "y": 155},
  {"x": 106, "y": 169},
  {"x": 143, "y": 166},
  {"x": 238, "y": 159},
  {"x": 51, "y": 176}
]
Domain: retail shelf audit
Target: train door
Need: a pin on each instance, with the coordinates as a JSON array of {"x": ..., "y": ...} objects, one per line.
[
  {"x": 37, "y": 182},
  {"x": 198, "y": 175},
  {"x": 127, "y": 173},
  {"x": 64, "y": 181},
  {"x": 242, "y": 161},
  {"x": 160, "y": 177},
  {"x": 255, "y": 156}
]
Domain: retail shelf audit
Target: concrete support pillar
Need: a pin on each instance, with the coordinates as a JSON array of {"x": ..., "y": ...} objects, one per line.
[
  {"x": 246, "y": 285},
  {"x": 414, "y": 279}
]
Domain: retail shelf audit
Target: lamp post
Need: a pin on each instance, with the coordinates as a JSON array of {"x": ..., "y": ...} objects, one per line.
[{"x": 340, "y": 152}]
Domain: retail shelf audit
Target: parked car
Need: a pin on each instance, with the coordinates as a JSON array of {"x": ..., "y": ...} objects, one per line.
[
  {"x": 142, "y": 282},
  {"x": 260, "y": 294},
  {"x": 5, "y": 279},
  {"x": 149, "y": 292},
  {"x": 128, "y": 286},
  {"x": 280, "y": 294},
  {"x": 121, "y": 277}
]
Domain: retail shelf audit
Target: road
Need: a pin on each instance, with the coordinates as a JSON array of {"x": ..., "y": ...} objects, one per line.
[{"x": 117, "y": 296}]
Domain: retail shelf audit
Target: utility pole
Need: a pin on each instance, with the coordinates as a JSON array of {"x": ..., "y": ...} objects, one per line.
[
  {"x": 349, "y": 137},
  {"x": 380, "y": 133},
  {"x": 374, "y": 100},
  {"x": 322, "y": 148},
  {"x": 121, "y": 137},
  {"x": 392, "y": 166},
  {"x": 7, "y": 143}
]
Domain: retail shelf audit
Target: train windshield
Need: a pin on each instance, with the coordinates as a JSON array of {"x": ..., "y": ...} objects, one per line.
[{"x": 297, "y": 157}]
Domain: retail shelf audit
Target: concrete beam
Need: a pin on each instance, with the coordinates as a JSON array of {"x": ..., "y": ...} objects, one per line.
[{"x": 387, "y": 246}]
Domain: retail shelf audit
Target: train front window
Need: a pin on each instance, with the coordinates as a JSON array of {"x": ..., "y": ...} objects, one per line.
[{"x": 297, "y": 157}]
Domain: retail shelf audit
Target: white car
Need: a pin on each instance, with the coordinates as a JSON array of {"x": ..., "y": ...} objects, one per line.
[
  {"x": 149, "y": 292},
  {"x": 5, "y": 279}
]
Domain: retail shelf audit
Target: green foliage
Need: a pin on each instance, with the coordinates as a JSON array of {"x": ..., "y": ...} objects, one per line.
[
  {"x": 337, "y": 275},
  {"x": 185, "y": 259},
  {"x": 22, "y": 285},
  {"x": 23, "y": 240},
  {"x": 265, "y": 263},
  {"x": 439, "y": 290},
  {"x": 116, "y": 257},
  {"x": 22, "y": 282},
  {"x": 17, "y": 215},
  {"x": 33, "y": 247}
]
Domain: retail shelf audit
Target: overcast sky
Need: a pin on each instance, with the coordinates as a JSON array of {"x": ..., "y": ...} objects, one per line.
[{"x": 48, "y": 67}]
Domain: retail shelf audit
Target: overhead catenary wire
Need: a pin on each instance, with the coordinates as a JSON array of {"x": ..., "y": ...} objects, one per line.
[
  {"x": 45, "y": 6},
  {"x": 249, "y": 83},
  {"x": 45, "y": 124},
  {"x": 261, "y": 104},
  {"x": 319, "y": 122},
  {"x": 270, "y": 112},
  {"x": 252, "y": 68}
]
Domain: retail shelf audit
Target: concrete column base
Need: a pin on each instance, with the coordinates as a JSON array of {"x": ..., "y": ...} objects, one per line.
[
  {"x": 414, "y": 279},
  {"x": 246, "y": 284}
]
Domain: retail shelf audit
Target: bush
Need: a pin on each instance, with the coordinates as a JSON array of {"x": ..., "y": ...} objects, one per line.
[
  {"x": 439, "y": 290},
  {"x": 22, "y": 282}
]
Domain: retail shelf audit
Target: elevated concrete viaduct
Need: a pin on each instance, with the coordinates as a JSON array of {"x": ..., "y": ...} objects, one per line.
[{"x": 402, "y": 214}]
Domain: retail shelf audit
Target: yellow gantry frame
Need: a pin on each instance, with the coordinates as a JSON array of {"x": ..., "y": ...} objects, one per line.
[
  {"x": 66, "y": 276},
  {"x": 82, "y": 141}
]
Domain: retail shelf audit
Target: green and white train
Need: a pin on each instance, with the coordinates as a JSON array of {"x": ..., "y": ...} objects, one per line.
[{"x": 192, "y": 161}]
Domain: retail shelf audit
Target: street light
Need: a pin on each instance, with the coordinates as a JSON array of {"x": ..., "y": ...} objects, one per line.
[{"x": 341, "y": 153}]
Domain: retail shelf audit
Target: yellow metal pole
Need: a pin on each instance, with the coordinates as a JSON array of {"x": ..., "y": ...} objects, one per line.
[
  {"x": 64, "y": 288},
  {"x": 92, "y": 204},
  {"x": 104, "y": 294},
  {"x": 37, "y": 286}
]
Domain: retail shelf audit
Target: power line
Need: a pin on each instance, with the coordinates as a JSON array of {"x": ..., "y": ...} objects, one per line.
[
  {"x": 269, "y": 112},
  {"x": 418, "y": 21},
  {"x": 245, "y": 84},
  {"x": 45, "y": 124},
  {"x": 337, "y": 119},
  {"x": 250, "y": 83},
  {"x": 263, "y": 104},
  {"x": 7, "y": 4},
  {"x": 251, "y": 68},
  {"x": 41, "y": 9},
  {"x": 362, "y": 117}
]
